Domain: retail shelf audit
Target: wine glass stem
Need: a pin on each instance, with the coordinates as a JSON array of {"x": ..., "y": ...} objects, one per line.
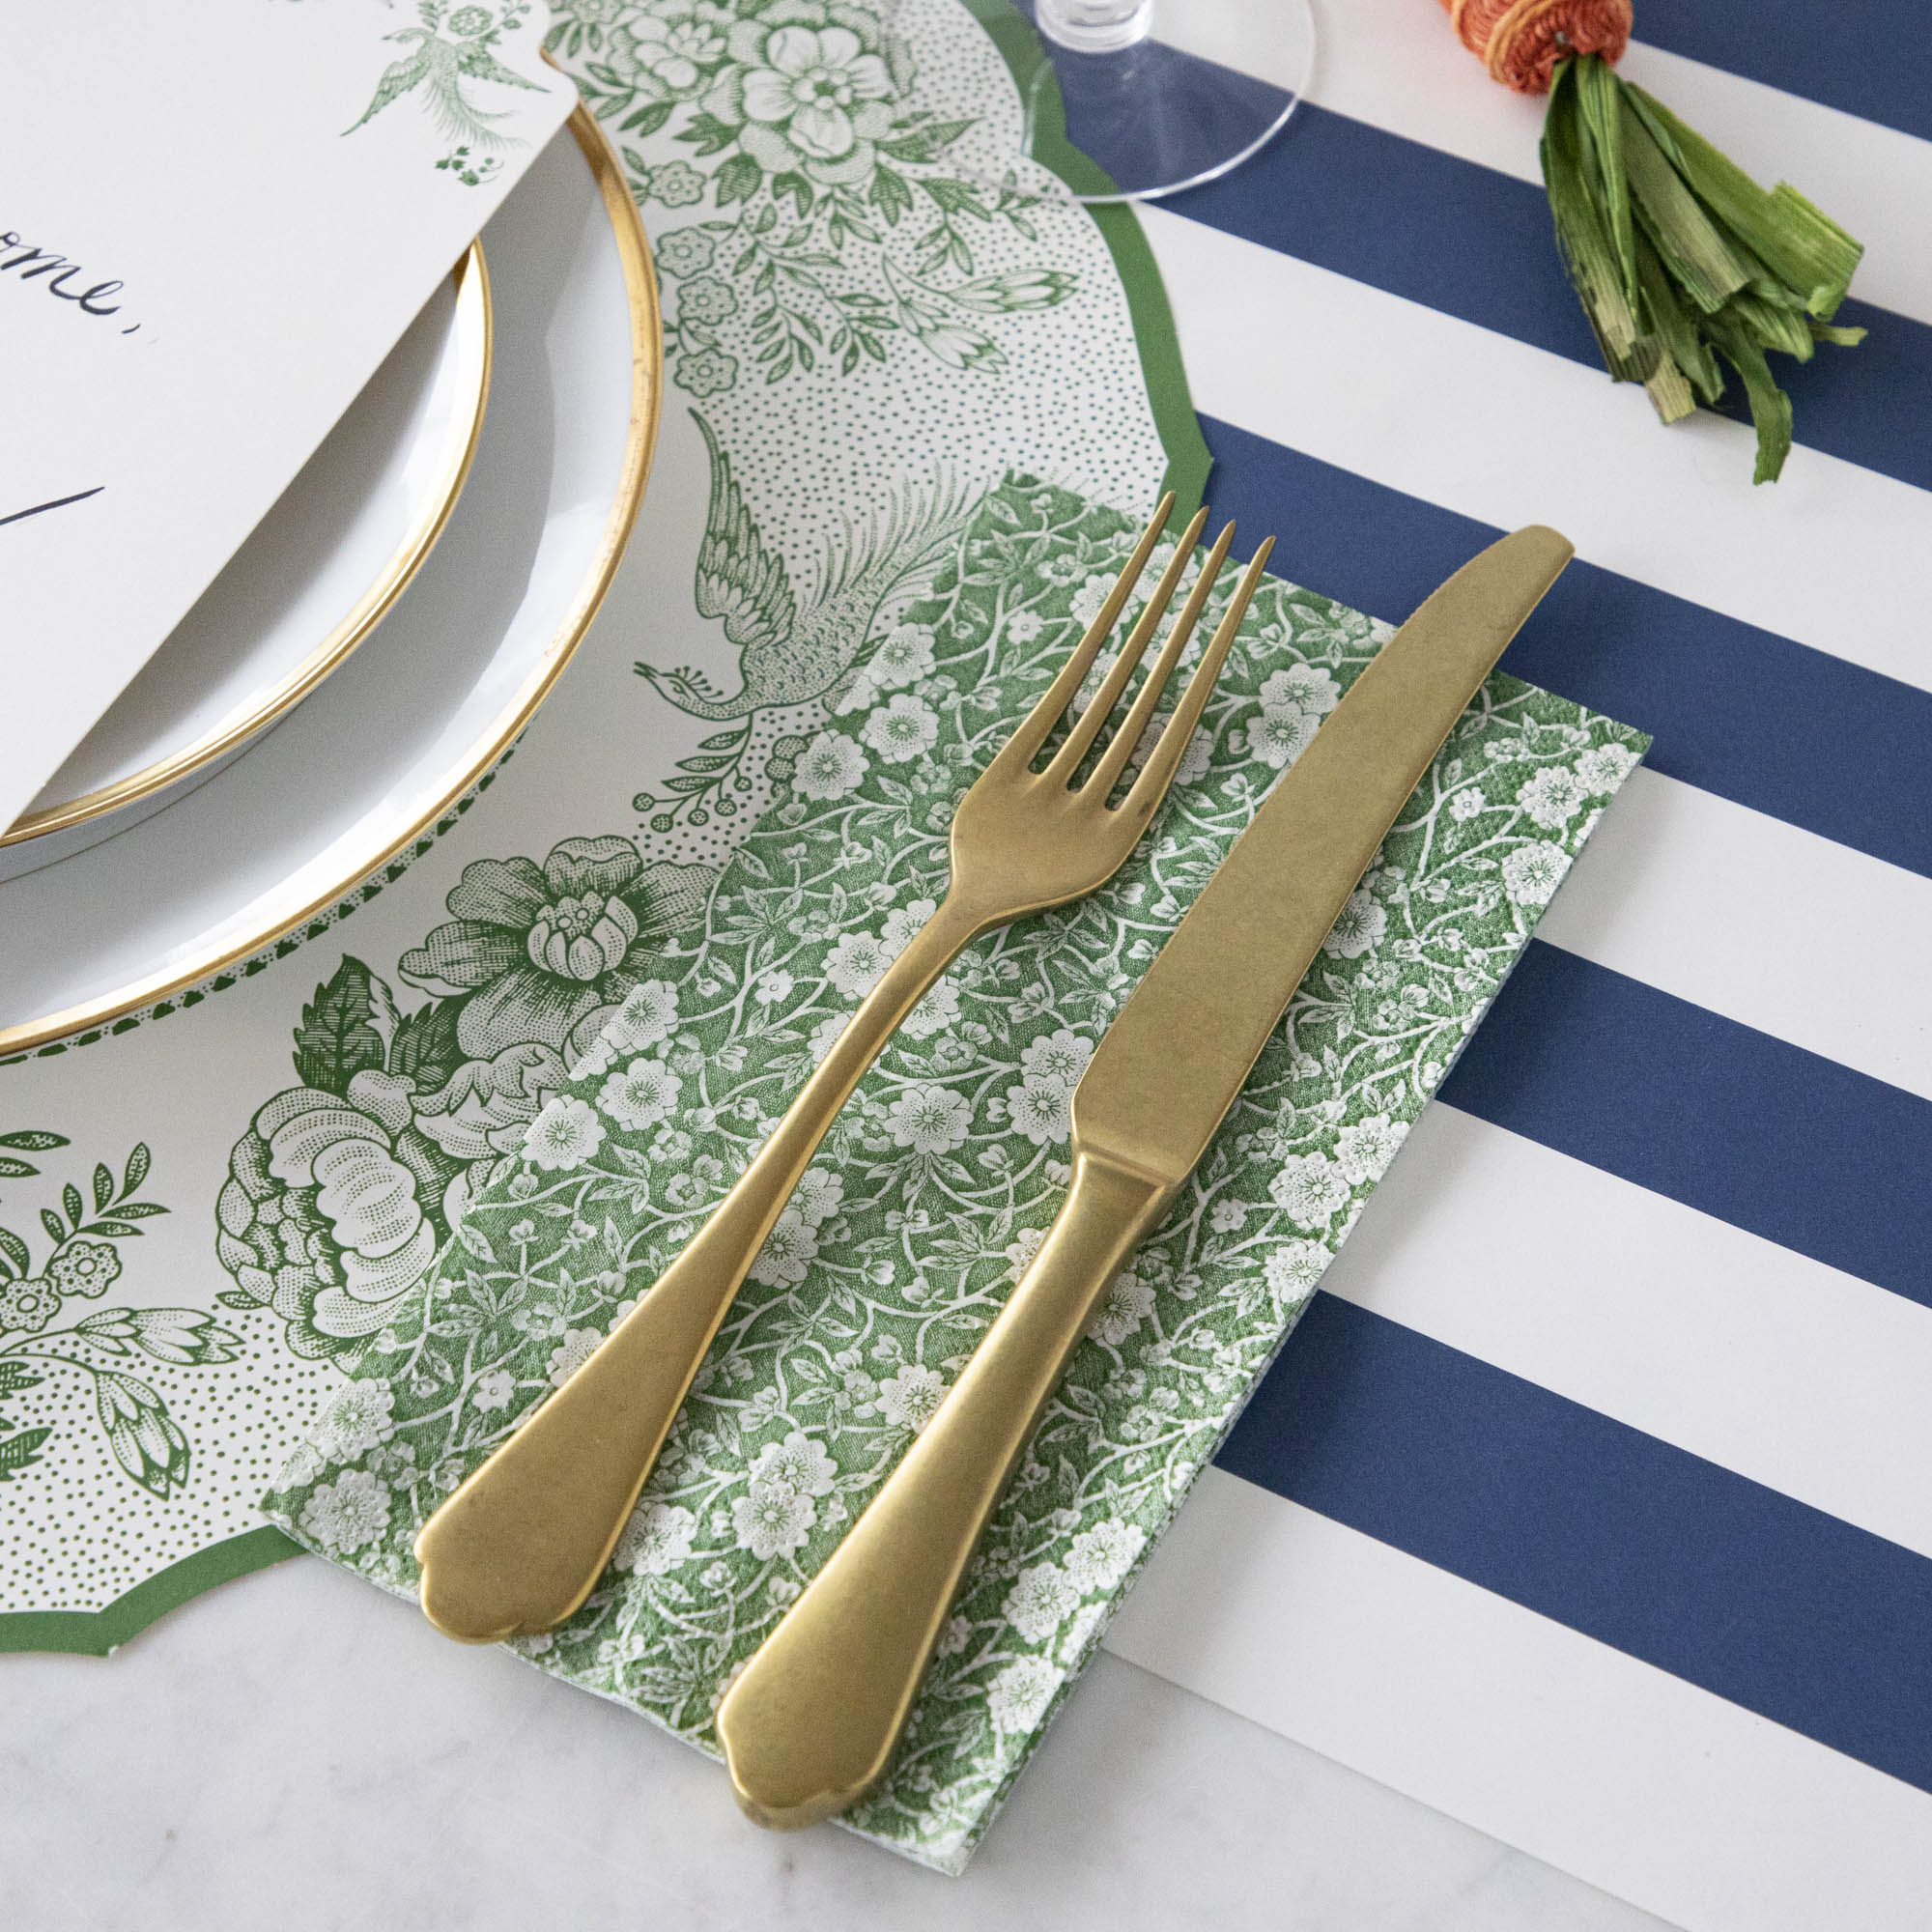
[{"x": 1096, "y": 26}]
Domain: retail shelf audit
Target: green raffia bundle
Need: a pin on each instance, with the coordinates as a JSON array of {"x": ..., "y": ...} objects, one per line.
[{"x": 1679, "y": 257}]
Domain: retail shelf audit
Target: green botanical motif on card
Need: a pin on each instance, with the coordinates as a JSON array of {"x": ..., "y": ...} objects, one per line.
[
  {"x": 447, "y": 53},
  {"x": 937, "y": 1184},
  {"x": 347, "y": 1185},
  {"x": 84, "y": 1233},
  {"x": 840, "y": 225}
]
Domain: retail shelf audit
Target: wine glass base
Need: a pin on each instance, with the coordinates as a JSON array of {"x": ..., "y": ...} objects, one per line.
[{"x": 1171, "y": 111}]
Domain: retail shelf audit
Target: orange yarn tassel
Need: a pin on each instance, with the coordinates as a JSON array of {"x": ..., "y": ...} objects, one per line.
[{"x": 1522, "y": 42}]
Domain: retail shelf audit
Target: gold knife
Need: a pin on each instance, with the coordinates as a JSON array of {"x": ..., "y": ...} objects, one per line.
[{"x": 809, "y": 1726}]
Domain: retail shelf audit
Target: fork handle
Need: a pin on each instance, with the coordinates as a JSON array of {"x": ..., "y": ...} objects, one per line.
[
  {"x": 522, "y": 1543},
  {"x": 809, "y": 1726}
]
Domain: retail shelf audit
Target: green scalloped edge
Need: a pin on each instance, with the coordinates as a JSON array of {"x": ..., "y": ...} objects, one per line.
[
  {"x": 98, "y": 1632},
  {"x": 101, "y": 1632},
  {"x": 1188, "y": 460}
]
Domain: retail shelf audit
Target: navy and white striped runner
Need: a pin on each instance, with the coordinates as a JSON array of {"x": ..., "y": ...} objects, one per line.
[{"x": 1593, "y": 1500}]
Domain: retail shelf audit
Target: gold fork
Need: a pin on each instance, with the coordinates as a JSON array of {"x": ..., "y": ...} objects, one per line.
[{"x": 518, "y": 1547}]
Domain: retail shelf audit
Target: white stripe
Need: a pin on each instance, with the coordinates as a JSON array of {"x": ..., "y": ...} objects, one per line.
[
  {"x": 1760, "y": 921},
  {"x": 1607, "y": 1768},
  {"x": 1791, "y": 1373},
  {"x": 1836, "y": 557},
  {"x": 1396, "y": 65}
]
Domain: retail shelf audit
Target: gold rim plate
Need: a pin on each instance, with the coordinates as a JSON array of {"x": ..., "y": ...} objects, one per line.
[
  {"x": 471, "y": 330},
  {"x": 275, "y": 918}
]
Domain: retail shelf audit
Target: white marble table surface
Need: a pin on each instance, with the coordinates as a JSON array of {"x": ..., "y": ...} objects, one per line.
[{"x": 298, "y": 1750}]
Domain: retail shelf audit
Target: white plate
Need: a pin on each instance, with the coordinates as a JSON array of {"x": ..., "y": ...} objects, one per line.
[
  {"x": 447, "y": 681},
  {"x": 314, "y": 578}
]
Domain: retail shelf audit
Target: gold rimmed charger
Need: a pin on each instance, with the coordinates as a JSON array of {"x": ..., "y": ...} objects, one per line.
[
  {"x": 471, "y": 334},
  {"x": 237, "y": 938}
]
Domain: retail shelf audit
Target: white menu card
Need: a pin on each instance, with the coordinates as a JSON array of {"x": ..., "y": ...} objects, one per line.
[{"x": 215, "y": 220}]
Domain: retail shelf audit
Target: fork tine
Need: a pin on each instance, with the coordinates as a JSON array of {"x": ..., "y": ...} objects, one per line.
[
  {"x": 1107, "y": 773},
  {"x": 1088, "y": 727},
  {"x": 1164, "y": 760},
  {"x": 1037, "y": 726}
]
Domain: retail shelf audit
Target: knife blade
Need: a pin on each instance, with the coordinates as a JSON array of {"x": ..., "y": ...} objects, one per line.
[{"x": 1220, "y": 985}]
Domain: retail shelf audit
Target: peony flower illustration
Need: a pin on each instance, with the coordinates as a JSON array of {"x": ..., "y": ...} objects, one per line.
[
  {"x": 320, "y": 1219},
  {"x": 656, "y": 1539},
  {"x": 815, "y": 103},
  {"x": 665, "y": 52},
  {"x": 929, "y": 1120},
  {"x": 828, "y": 767},
  {"x": 565, "y": 1134},
  {"x": 910, "y": 1398},
  {"x": 537, "y": 950},
  {"x": 1041, "y": 1596},
  {"x": 486, "y": 1105}
]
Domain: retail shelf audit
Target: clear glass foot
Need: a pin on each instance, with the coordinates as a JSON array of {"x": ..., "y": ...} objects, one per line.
[{"x": 1167, "y": 95}]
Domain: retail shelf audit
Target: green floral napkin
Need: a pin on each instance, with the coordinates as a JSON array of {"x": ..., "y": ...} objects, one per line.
[{"x": 934, "y": 1188}]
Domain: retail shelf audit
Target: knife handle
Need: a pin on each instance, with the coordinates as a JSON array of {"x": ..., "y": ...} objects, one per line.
[{"x": 808, "y": 1726}]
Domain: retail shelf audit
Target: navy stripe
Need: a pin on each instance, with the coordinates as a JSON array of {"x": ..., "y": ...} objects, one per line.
[
  {"x": 1760, "y": 1599},
  {"x": 1872, "y": 58},
  {"x": 1775, "y": 726},
  {"x": 1737, "y": 1124},
  {"x": 1468, "y": 242}
]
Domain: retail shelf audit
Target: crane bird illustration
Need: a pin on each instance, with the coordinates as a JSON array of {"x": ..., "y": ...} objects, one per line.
[
  {"x": 788, "y": 652},
  {"x": 440, "y": 66}
]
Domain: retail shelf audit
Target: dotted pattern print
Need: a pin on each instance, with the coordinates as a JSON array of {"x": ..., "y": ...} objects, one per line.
[
  {"x": 939, "y": 1180},
  {"x": 314, "y": 1128}
]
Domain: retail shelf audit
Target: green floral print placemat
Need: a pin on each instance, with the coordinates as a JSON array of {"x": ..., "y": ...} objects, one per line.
[
  {"x": 939, "y": 1180},
  {"x": 859, "y": 344}
]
